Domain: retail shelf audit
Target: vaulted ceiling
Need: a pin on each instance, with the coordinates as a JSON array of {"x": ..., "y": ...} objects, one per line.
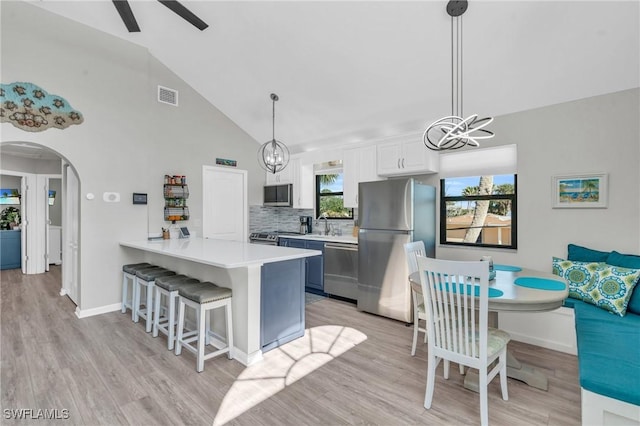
[{"x": 349, "y": 71}]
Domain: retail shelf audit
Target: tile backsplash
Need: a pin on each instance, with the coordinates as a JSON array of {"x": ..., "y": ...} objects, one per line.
[{"x": 265, "y": 219}]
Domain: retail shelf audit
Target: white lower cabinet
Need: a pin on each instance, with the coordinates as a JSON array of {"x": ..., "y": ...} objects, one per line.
[
  {"x": 406, "y": 158},
  {"x": 359, "y": 165}
]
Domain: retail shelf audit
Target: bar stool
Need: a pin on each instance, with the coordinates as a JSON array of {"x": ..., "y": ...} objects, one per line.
[
  {"x": 146, "y": 278},
  {"x": 168, "y": 286},
  {"x": 129, "y": 273},
  {"x": 203, "y": 298}
]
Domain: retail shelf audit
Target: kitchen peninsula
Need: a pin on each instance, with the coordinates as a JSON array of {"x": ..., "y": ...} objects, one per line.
[{"x": 267, "y": 283}]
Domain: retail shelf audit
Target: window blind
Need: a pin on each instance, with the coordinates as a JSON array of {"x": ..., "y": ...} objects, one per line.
[{"x": 500, "y": 160}]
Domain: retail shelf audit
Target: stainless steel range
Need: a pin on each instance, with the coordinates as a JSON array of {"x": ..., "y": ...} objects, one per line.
[{"x": 269, "y": 238}]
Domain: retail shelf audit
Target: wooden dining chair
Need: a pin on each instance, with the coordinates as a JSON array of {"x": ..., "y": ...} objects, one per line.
[
  {"x": 411, "y": 250},
  {"x": 453, "y": 291}
]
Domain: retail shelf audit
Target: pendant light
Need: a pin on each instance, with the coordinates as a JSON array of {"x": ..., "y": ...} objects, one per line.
[
  {"x": 273, "y": 156},
  {"x": 455, "y": 131}
]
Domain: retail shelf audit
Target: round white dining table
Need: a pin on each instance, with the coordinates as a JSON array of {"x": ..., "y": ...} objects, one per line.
[{"x": 517, "y": 298}]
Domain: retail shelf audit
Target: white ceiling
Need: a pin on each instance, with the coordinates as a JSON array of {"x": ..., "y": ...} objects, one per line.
[{"x": 349, "y": 71}]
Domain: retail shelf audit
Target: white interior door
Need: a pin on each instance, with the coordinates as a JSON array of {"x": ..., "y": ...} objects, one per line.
[
  {"x": 24, "y": 225},
  {"x": 224, "y": 202},
  {"x": 70, "y": 233},
  {"x": 47, "y": 224}
]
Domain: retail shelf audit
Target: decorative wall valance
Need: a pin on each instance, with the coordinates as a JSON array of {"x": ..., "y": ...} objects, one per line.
[{"x": 31, "y": 108}]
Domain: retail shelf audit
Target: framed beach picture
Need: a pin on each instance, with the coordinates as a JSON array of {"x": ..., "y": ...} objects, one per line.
[{"x": 588, "y": 190}]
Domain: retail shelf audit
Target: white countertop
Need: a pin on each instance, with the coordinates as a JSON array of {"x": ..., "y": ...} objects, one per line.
[
  {"x": 328, "y": 238},
  {"x": 220, "y": 253}
]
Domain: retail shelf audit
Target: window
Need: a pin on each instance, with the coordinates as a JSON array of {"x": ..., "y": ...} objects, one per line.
[
  {"x": 479, "y": 211},
  {"x": 329, "y": 195}
]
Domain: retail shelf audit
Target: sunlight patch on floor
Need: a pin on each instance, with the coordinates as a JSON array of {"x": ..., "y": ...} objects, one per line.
[{"x": 285, "y": 365}]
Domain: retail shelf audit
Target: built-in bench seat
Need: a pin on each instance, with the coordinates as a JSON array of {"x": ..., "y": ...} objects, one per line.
[{"x": 608, "y": 351}]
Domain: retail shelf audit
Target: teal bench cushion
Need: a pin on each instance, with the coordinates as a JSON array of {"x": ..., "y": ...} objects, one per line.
[
  {"x": 570, "y": 302},
  {"x": 608, "y": 352}
]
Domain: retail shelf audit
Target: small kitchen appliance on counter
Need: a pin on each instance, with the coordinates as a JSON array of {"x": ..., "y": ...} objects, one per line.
[{"x": 306, "y": 225}]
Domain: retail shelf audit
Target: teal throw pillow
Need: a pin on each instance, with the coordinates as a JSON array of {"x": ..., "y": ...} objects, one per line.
[
  {"x": 612, "y": 288},
  {"x": 578, "y": 275},
  {"x": 584, "y": 254},
  {"x": 628, "y": 261}
]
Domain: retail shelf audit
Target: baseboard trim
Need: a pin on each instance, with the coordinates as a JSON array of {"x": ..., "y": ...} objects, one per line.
[
  {"x": 85, "y": 313},
  {"x": 244, "y": 358}
]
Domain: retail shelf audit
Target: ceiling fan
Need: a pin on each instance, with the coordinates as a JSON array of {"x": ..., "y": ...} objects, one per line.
[{"x": 124, "y": 9}]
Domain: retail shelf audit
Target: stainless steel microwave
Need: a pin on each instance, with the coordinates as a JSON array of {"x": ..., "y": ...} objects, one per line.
[{"x": 278, "y": 195}]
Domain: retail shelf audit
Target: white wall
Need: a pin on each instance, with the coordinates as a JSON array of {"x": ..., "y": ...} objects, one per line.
[
  {"x": 27, "y": 165},
  {"x": 128, "y": 141},
  {"x": 589, "y": 135}
]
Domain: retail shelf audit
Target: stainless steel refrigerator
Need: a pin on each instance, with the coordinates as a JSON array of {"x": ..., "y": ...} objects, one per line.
[{"x": 391, "y": 213}]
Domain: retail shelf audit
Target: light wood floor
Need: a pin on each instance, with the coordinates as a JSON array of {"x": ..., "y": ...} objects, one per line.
[{"x": 106, "y": 370}]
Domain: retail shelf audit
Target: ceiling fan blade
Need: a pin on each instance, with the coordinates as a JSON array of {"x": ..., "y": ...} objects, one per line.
[
  {"x": 185, "y": 13},
  {"x": 123, "y": 8}
]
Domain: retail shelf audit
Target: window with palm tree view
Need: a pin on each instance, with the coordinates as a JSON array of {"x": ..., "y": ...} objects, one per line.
[
  {"x": 330, "y": 196},
  {"x": 479, "y": 211}
]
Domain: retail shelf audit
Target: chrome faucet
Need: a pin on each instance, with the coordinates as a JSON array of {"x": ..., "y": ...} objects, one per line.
[{"x": 326, "y": 223}]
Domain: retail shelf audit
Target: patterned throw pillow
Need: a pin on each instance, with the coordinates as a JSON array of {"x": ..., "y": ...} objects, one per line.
[
  {"x": 579, "y": 275},
  {"x": 611, "y": 289}
]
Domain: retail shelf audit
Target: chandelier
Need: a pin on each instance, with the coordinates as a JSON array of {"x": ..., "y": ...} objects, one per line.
[
  {"x": 455, "y": 131},
  {"x": 273, "y": 156}
]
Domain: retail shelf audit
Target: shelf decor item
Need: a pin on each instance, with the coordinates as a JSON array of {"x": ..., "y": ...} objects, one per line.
[
  {"x": 176, "y": 193},
  {"x": 273, "y": 156},
  {"x": 9, "y": 197},
  {"x": 10, "y": 218},
  {"x": 455, "y": 131},
  {"x": 587, "y": 190}
]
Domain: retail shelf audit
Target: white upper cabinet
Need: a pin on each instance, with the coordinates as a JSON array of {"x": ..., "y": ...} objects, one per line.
[
  {"x": 285, "y": 176},
  {"x": 303, "y": 184},
  {"x": 359, "y": 165},
  {"x": 406, "y": 158}
]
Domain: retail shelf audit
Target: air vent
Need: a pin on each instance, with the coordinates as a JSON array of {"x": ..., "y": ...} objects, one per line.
[{"x": 167, "y": 96}]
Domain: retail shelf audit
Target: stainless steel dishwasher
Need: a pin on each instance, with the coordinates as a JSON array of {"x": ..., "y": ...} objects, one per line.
[{"x": 341, "y": 269}]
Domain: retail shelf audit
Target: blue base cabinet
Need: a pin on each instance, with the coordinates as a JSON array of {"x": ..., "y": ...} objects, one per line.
[
  {"x": 10, "y": 245},
  {"x": 314, "y": 278},
  {"x": 281, "y": 303}
]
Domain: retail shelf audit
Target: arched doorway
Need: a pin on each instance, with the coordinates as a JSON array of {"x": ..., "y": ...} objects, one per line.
[{"x": 39, "y": 167}]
